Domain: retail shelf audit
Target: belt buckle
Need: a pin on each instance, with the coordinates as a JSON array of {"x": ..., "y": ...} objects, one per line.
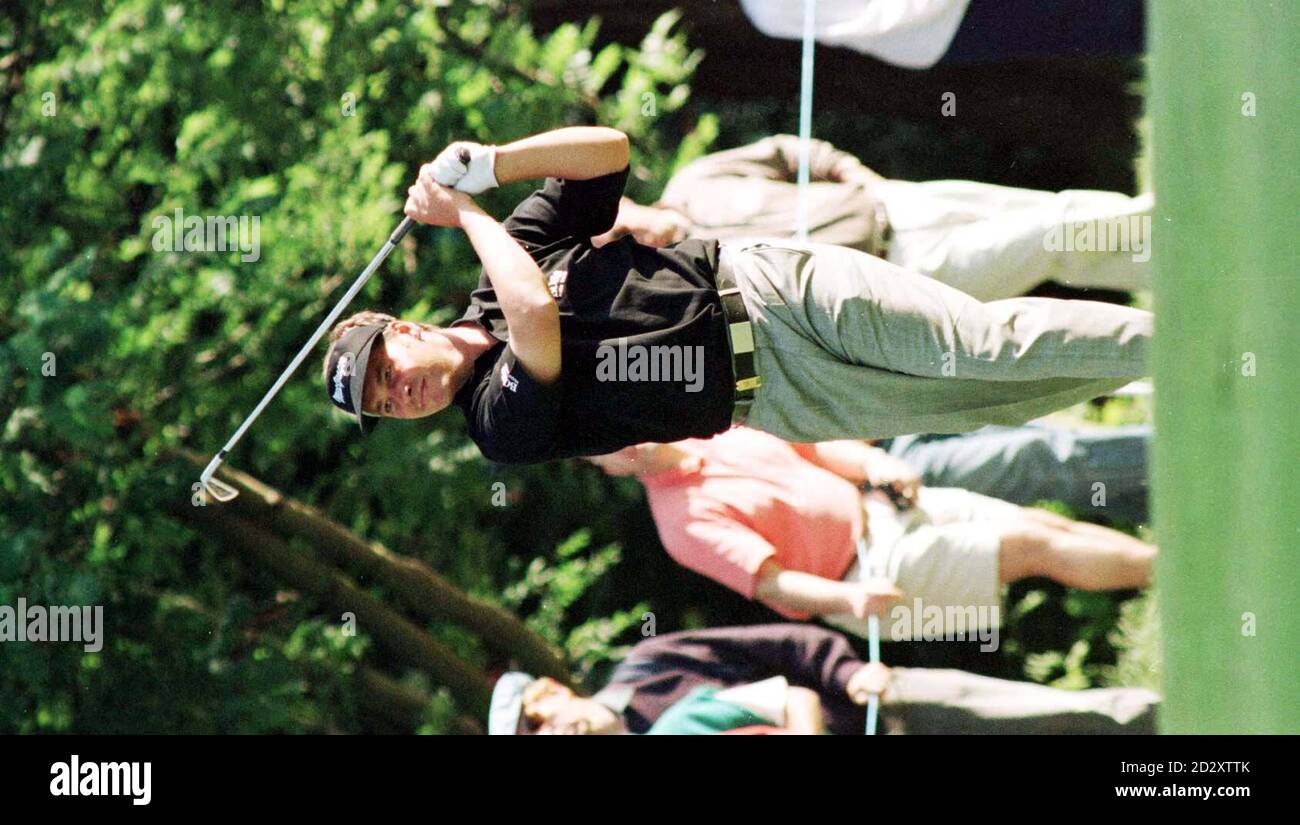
[
  {"x": 740, "y": 337},
  {"x": 741, "y": 334}
]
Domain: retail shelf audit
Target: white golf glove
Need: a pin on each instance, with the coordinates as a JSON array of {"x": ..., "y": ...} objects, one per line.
[{"x": 468, "y": 167}]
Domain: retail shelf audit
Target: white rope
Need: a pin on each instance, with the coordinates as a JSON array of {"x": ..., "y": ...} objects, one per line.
[
  {"x": 805, "y": 120},
  {"x": 873, "y": 701},
  {"x": 801, "y": 233},
  {"x": 873, "y": 641}
]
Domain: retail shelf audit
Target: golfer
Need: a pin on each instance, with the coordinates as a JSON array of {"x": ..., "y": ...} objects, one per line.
[{"x": 572, "y": 350}]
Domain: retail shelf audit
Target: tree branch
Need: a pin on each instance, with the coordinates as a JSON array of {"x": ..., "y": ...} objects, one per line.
[
  {"x": 402, "y": 705},
  {"x": 403, "y": 639},
  {"x": 414, "y": 585}
]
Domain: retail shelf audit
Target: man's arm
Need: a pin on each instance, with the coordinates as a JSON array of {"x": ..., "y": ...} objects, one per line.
[
  {"x": 772, "y": 158},
  {"x": 574, "y": 153},
  {"x": 656, "y": 226},
  {"x": 585, "y": 168},
  {"x": 859, "y": 462},
  {"x": 800, "y": 592},
  {"x": 806, "y": 654},
  {"x": 531, "y": 313},
  {"x": 825, "y": 162}
]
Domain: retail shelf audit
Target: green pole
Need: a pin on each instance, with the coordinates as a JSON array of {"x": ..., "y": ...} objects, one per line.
[{"x": 1226, "y": 247}]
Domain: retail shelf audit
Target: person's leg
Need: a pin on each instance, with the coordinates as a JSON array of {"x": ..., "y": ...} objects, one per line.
[
  {"x": 1098, "y": 472},
  {"x": 995, "y": 242},
  {"x": 946, "y": 567},
  {"x": 1083, "y": 528},
  {"x": 1117, "y": 255},
  {"x": 1034, "y": 542},
  {"x": 1073, "y": 553},
  {"x": 951, "y": 505},
  {"x": 867, "y": 312},
  {"x": 933, "y": 701},
  {"x": 849, "y": 346}
]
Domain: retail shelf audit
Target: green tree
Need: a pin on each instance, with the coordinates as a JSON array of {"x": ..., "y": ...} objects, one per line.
[{"x": 115, "y": 351}]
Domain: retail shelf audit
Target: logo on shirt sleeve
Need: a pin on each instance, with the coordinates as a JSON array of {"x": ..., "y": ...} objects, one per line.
[
  {"x": 507, "y": 380},
  {"x": 555, "y": 282}
]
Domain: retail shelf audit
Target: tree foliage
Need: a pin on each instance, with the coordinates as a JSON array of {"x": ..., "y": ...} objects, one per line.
[
  {"x": 118, "y": 352},
  {"x": 311, "y": 117}
]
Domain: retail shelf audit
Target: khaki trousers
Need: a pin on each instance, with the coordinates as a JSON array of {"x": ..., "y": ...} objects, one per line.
[
  {"x": 851, "y": 346},
  {"x": 924, "y": 701}
]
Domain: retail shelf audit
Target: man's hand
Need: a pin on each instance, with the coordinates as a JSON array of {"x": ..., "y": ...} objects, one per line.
[
  {"x": 872, "y": 597},
  {"x": 796, "y": 591},
  {"x": 467, "y": 167},
  {"x": 871, "y": 679},
  {"x": 884, "y": 470},
  {"x": 434, "y": 204},
  {"x": 648, "y": 225}
]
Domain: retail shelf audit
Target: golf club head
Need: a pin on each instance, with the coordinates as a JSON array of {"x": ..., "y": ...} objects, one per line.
[{"x": 218, "y": 489}]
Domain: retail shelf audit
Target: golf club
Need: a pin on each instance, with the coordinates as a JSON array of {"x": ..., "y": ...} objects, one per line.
[{"x": 223, "y": 492}]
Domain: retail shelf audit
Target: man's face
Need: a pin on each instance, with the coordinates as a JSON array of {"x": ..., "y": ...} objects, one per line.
[
  {"x": 551, "y": 709},
  {"x": 409, "y": 372}
]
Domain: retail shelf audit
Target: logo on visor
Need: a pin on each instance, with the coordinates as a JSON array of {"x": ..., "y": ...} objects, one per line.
[{"x": 342, "y": 371}]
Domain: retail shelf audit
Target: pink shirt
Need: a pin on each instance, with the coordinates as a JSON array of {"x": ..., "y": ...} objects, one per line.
[{"x": 743, "y": 497}]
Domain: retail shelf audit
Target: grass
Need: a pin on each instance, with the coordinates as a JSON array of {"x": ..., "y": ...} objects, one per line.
[{"x": 1137, "y": 637}]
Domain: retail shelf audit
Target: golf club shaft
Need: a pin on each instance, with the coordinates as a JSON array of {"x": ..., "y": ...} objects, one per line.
[
  {"x": 393, "y": 240},
  {"x": 873, "y": 642},
  {"x": 873, "y": 650}
]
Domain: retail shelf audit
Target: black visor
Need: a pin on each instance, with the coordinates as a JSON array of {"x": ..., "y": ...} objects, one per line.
[{"x": 346, "y": 378}]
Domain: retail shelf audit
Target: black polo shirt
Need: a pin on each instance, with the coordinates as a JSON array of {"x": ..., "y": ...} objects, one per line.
[{"x": 644, "y": 344}]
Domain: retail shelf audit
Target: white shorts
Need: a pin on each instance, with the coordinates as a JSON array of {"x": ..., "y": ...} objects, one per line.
[{"x": 943, "y": 555}]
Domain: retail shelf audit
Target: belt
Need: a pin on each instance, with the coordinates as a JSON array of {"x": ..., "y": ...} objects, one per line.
[{"x": 740, "y": 337}]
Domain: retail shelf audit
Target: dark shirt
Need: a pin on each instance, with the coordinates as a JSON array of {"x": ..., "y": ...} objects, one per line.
[
  {"x": 662, "y": 670},
  {"x": 644, "y": 350}
]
